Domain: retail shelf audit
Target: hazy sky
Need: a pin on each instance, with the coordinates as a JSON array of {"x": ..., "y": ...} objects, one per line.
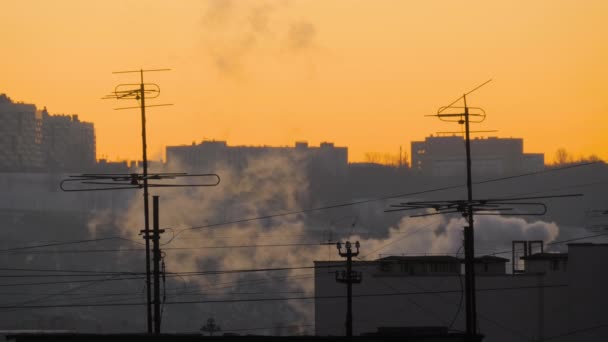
[{"x": 358, "y": 73}]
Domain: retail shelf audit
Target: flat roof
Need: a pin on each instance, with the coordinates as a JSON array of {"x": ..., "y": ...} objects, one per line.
[
  {"x": 545, "y": 256},
  {"x": 427, "y": 258},
  {"x": 490, "y": 259}
]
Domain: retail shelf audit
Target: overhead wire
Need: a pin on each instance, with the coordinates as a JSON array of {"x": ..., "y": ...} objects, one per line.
[
  {"x": 382, "y": 198},
  {"x": 274, "y": 299},
  {"x": 327, "y": 207}
]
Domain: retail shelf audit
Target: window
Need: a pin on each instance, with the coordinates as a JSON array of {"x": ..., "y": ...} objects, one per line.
[{"x": 555, "y": 265}]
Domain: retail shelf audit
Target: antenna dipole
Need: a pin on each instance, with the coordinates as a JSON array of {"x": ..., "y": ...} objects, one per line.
[
  {"x": 469, "y": 238},
  {"x": 124, "y": 92},
  {"x": 467, "y": 209}
]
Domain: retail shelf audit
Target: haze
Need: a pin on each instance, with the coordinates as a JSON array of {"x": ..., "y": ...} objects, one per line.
[{"x": 359, "y": 73}]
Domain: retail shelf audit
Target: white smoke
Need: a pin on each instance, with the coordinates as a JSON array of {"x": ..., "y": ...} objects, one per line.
[
  {"x": 271, "y": 185},
  {"x": 441, "y": 235},
  {"x": 237, "y": 34}
]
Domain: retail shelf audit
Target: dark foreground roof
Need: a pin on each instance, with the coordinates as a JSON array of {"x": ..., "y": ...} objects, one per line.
[{"x": 452, "y": 337}]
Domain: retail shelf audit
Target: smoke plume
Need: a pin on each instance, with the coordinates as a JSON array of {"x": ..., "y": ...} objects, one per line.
[{"x": 234, "y": 33}]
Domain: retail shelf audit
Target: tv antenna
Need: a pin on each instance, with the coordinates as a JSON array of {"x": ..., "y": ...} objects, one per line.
[
  {"x": 120, "y": 181},
  {"x": 101, "y": 182},
  {"x": 139, "y": 92},
  {"x": 465, "y": 115}
]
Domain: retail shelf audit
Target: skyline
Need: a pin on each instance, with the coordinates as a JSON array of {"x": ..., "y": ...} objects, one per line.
[{"x": 356, "y": 73}]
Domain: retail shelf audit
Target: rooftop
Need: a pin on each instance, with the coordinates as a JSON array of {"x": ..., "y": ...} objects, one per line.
[
  {"x": 545, "y": 256},
  {"x": 426, "y": 258}
]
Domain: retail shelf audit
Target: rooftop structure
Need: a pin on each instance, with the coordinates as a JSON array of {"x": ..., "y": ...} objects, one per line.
[{"x": 542, "y": 302}]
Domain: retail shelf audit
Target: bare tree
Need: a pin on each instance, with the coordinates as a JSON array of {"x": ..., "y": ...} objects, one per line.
[
  {"x": 562, "y": 157},
  {"x": 389, "y": 159}
]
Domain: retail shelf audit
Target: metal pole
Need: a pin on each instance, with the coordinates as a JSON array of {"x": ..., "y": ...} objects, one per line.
[
  {"x": 471, "y": 318},
  {"x": 155, "y": 241},
  {"x": 349, "y": 293},
  {"x": 146, "y": 210}
]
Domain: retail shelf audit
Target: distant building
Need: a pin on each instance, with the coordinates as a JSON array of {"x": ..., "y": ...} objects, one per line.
[
  {"x": 31, "y": 140},
  {"x": 446, "y": 156},
  {"x": 558, "y": 295},
  {"x": 322, "y": 171},
  {"x": 209, "y": 155},
  {"x": 20, "y": 136},
  {"x": 68, "y": 143}
]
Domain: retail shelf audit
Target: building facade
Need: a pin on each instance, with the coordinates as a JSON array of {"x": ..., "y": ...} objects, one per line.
[
  {"x": 559, "y": 297},
  {"x": 321, "y": 171},
  {"x": 209, "y": 155},
  {"x": 20, "y": 136},
  {"x": 446, "y": 156},
  {"x": 68, "y": 143},
  {"x": 31, "y": 140}
]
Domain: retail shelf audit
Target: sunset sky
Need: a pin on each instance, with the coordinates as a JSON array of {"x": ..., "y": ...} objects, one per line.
[{"x": 359, "y": 73}]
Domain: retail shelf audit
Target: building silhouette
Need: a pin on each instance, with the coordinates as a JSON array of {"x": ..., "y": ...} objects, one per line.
[
  {"x": 32, "y": 140},
  {"x": 444, "y": 156},
  {"x": 557, "y": 294},
  {"x": 68, "y": 144},
  {"x": 323, "y": 168},
  {"x": 208, "y": 155},
  {"x": 20, "y": 136}
]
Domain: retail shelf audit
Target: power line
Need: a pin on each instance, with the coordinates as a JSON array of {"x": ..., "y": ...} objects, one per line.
[
  {"x": 383, "y": 198},
  {"x": 231, "y": 271},
  {"x": 576, "y": 331},
  {"x": 557, "y": 242},
  {"x": 86, "y": 251},
  {"x": 275, "y": 299},
  {"x": 67, "y": 282},
  {"x": 65, "y": 271},
  {"x": 48, "y": 296},
  {"x": 68, "y": 243},
  {"x": 334, "y": 206}
]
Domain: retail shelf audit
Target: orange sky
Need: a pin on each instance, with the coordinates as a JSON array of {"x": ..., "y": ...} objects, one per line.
[{"x": 359, "y": 73}]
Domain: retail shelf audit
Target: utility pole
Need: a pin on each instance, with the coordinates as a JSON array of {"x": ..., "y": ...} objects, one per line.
[
  {"x": 156, "y": 258},
  {"x": 130, "y": 91},
  {"x": 103, "y": 182},
  {"x": 469, "y": 239},
  {"x": 467, "y": 211},
  {"x": 467, "y": 208},
  {"x": 349, "y": 278}
]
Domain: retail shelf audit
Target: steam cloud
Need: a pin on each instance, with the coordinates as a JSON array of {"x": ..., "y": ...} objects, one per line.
[
  {"x": 438, "y": 235},
  {"x": 233, "y": 32},
  {"x": 277, "y": 184}
]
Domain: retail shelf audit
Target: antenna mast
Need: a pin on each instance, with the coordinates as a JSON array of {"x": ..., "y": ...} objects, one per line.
[{"x": 131, "y": 91}]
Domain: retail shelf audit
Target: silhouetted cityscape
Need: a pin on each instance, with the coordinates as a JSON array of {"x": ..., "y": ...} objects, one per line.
[{"x": 73, "y": 262}]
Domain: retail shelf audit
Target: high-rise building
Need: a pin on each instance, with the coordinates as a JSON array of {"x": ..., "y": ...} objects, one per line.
[
  {"x": 68, "y": 143},
  {"x": 207, "y": 156},
  {"x": 31, "y": 140},
  {"x": 446, "y": 156},
  {"x": 20, "y": 136},
  {"x": 322, "y": 170}
]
